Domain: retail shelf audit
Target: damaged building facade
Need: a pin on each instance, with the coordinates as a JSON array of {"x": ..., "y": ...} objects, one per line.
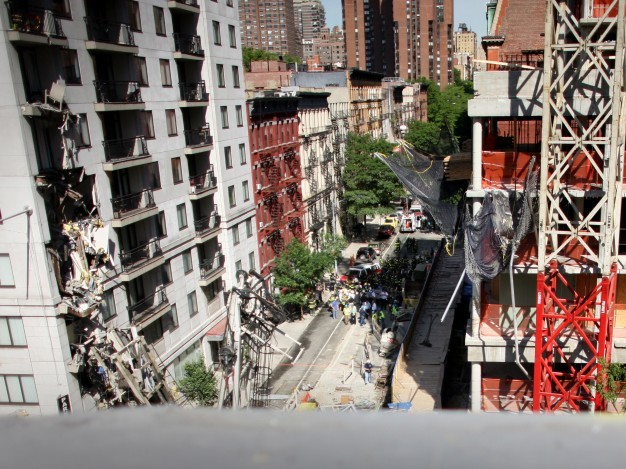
[{"x": 125, "y": 201}]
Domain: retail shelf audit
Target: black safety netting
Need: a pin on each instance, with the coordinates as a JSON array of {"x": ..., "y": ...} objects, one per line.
[{"x": 423, "y": 177}]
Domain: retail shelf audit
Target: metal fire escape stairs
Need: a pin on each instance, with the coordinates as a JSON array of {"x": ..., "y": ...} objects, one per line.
[{"x": 579, "y": 229}]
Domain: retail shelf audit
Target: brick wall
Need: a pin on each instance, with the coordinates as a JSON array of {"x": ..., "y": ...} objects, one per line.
[{"x": 522, "y": 23}]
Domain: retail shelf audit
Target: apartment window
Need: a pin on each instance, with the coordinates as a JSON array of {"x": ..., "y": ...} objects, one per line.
[
  {"x": 249, "y": 227},
  {"x": 228, "y": 157},
  {"x": 192, "y": 303},
  {"x": 18, "y": 389},
  {"x": 6, "y": 271},
  {"x": 82, "y": 138},
  {"x": 166, "y": 273},
  {"x": 246, "y": 191},
  {"x": 239, "y": 112},
  {"x": 177, "y": 170},
  {"x": 229, "y": 3},
  {"x": 187, "y": 262},
  {"x": 217, "y": 36},
  {"x": 141, "y": 71},
  {"x": 170, "y": 117},
  {"x": 71, "y": 70},
  {"x": 159, "y": 21},
  {"x": 107, "y": 307},
  {"x": 133, "y": 14},
  {"x": 224, "y": 114},
  {"x": 212, "y": 290},
  {"x": 170, "y": 320},
  {"x": 232, "y": 200},
  {"x": 232, "y": 36},
  {"x": 166, "y": 73},
  {"x": 238, "y": 266},
  {"x": 242, "y": 153},
  {"x": 236, "y": 82},
  {"x": 153, "y": 177},
  {"x": 161, "y": 225},
  {"x": 235, "y": 234},
  {"x": 221, "y": 82},
  {"x": 12, "y": 332},
  {"x": 166, "y": 323},
  {"x": 146, "y": 123},
  {"x": 181, "y": 214},
  {"x": 251, "y": 261}
]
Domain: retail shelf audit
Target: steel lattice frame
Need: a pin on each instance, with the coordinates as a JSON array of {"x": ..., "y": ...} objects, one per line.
[{"x": 574, "y": 327}]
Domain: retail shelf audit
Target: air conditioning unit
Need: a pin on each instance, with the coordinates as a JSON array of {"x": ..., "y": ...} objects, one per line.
[
  {"x": 260, "y": 225},
  {"x": 259, "y": 187}
]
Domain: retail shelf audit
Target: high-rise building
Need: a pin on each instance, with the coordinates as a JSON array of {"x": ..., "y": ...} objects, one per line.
[
  {"x": 330, "y": 47},
  {"x": 126, "y": 196},
  {"x": 310, "y": 18},
  {"x": 465, "y": 41},
  {"x": 270, "y": 26},
  {"x": 407, "y": 39}
]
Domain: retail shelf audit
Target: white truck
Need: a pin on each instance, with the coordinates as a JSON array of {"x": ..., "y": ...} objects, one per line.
[{"x": 409, "y": 223}]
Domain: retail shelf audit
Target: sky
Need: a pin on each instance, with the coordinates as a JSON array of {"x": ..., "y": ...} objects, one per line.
[{"x": 471, "y": 12}]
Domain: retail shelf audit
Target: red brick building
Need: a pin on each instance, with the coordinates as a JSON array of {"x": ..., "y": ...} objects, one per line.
[{"x": 276, "y": 174}]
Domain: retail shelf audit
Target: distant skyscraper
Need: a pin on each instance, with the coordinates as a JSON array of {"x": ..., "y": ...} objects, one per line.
[
  {"x": 465, "y": 41},
  {"x": 310, "y": 18},
  {"x": 269, "y": 25}
]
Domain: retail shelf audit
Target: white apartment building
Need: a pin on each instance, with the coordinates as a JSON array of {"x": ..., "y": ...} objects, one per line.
[{"x": 125, "y": 193}]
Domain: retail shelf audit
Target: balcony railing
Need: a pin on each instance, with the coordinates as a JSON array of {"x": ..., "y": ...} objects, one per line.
[
  {"x": 188, "y": 44},
  {"x": 210, "y": 266},
  {"x": 203, "y": 182},
  {"x": 207, "y": 224},
  {"x": 191, "y": 3},
  {"x": 125, "y": 205},
  {"x": 147, "y": 306},
  {"x": 140, "y": 255},
  {"x": 198, "y": 137},
  {"x": 33, "y": 20},
  {"x": 109, "y": 31},
  {"x": 193, "y": 91},
  {"x": 118, "y": 91},
  {"x": 125, "y": 148}
]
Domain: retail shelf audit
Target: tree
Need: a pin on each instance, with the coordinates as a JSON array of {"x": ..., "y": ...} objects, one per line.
[
  {"x": 297, "y": 271},
  {"x": 334, "y": 245},
  {"x": 424, "y": 136},
  {"x": 199, "y": 384},
  {"x": 370, "y": 185}
]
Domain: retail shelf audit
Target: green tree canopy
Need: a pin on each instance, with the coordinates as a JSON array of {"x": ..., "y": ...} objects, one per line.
[
  {"x": 251, "y": 55},
  {"x": 199, "y": 384},
  {"x": 370, "y": 186}
]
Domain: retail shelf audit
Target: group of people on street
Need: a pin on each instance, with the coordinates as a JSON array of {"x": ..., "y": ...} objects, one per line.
[{"x": 360, "y": 303}]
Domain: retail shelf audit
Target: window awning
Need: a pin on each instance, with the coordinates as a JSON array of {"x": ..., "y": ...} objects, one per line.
[{"x": 216, "y": 333}]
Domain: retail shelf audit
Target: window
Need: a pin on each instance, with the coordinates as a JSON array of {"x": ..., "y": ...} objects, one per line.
[
  {"x": 170, "y": 117},
  {"x": 159, "y": 21},
  {"x": 221, "y": 82},
  {"x": 232, "y": 36},
  {"x": 12, "y": 332},
  {"x": 228, "y": 157},
  {"x": 192, "y": 303},
  {"x": 166, "y": 74},
  {"x": 235, "y": 234},
  {"x": 224, "y": 114},
  {"x": 161, "y": 225},
  {"x": 249, "y": 227},
  {"x": 212, "y": 290},
  {"x": 242, "y": 153},
  {"x": 6, "y": 271},
  {"x": 153, "y": 177},
  {"x": 146, "y": 124},
  {"x": 166, "y": 323},
  {"x": 232, "y": 200},
  {"x": 246, "y": 191},
  {"x": 238, "y": 266},
  {"x": 18, "y": 389},
  {"x": 217, "y": 36},
  {"x": 82, "y": 139},
  {"x": 187, "y": 262},
  {"x": 229, "y": 3},
  {"x": 177, "y": 170},
  {"x": 181, "y": 214},
  {"x": 141, "y": 71},
  {"x": 166, "y": 273},
  {"x": 71, "y": 70},
  {"x": 133, "y": 14},
  {"x": 193, "y": 353},
  {"x": 239, "y": 112},
  {"x": 108, "y": 306},
  {"x": 251, "y": 261},
  {"x": 170, "y": 320},
  {"x": 236, "y": 82}
]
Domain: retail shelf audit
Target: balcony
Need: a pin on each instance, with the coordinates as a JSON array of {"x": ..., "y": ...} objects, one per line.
[
  {"x": 148, "y": 307},
  {"x": 202, "y": 185},
  {"x": 30, "y": 25},
  {"x": 207, "y": 227},
  {"x": 198, "y": 140},
  {"x": 132, "y": 208},
  {"x": 211, "y": 269},
  {"x": 140, "y": 260},
  {"x": 110, "y": 36},
  {"x": 186, "y": 6},
  {"x": 125, "y": 153},
  {"x": 188, "y": 47},
  {"x": 118, "y": 96},
  {"x": 193, "y": 94}
]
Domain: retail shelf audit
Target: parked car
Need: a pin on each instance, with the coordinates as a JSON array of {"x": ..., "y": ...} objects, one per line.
[
  {"x": 386, "y": 231},
  {"x": 365, "y": 254},
  {"x": 391, "y": 220},
  {"x": 360, "y": 272}
]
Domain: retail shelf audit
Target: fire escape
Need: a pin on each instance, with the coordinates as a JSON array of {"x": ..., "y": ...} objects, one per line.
[
  {"x": 584, "y": 56},
  {"x": 310, "y": 172},
  {"x": 293, "y": 194}
]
